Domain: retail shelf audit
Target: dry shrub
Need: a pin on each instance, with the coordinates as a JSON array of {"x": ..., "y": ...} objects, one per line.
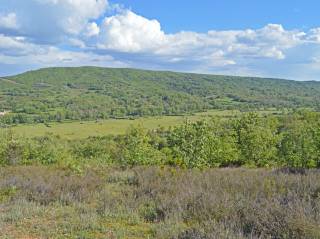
[
  {"x": 251, "y": 203},
  {"x": 47, "y": 185},
  {"x": 178, "y": 203}
]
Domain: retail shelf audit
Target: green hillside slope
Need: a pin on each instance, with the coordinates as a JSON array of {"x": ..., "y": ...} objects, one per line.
[{"x": 55, "y": 94}]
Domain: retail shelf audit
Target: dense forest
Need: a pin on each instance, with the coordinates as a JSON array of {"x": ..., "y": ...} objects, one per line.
[
  {"x": 249, "y": 140},
  {"x": 57, "y": 94}
]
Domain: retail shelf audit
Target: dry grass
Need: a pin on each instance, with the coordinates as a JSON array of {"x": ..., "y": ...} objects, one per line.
[{"x": 39, "y": 202}]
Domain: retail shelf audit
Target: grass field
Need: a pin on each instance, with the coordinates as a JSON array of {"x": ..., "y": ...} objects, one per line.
[
  {"x": 72, "y": 130},
  {"x": 78, "y": 130}
]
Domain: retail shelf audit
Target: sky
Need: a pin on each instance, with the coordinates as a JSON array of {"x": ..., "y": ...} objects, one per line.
[{"x": 279, "y": 39}]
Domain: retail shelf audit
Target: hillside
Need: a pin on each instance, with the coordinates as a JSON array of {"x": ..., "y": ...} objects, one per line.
[{"x": 55, "y": 94}]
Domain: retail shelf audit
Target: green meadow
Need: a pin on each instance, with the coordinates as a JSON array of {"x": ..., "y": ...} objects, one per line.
[{"x": 84, "y": 129}]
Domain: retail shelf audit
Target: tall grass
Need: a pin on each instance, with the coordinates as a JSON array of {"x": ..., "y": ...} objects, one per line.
[{"x": 153, "y": 202}]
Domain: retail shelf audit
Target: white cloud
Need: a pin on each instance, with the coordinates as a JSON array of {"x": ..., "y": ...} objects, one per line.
[
  {"x": 9, "y": 42},
  {"x": 53, "y": 56},
  {"x": 71, "y": 32},
  {"x": 269, "y": 42},
  {"x": 77, "y": 13},
  {"x": 217, "y": 59},
  {"x": 51, "y": 21},
  {"x": 16, "y": 46},
  {"x": 272, "y": 52},
  {"x": 92, "y": 29},
  {"x": 44, "y": 56},
  {"x": 128, "y": 32},
  {"x": 316, "y": 60},
  {"x": 314, "y": 35},
  {"x": 8, "y": 21},
  {"x": 75, "y": 42}
]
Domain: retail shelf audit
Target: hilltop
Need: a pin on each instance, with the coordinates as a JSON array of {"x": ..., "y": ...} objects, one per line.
[{"x": 81, "y": 93}]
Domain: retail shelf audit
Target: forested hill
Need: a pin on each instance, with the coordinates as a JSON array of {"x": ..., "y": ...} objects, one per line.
[{"x": 55, "y": 94}]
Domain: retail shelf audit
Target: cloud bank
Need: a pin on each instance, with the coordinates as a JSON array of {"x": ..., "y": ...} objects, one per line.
[{"x": 41, "y": 33}]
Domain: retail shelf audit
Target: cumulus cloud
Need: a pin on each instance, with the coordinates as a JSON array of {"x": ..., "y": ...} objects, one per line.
[
  {"x": 8, "y": 21},
  {"x": 129, "y": 32},
  {"x": 51, "y": 21},
  {"x": 16, "y": 46},
  {"x": 75, "y": 14},
  {"x": 71, "y": 32},
  {"x": 92, "y": 29}
]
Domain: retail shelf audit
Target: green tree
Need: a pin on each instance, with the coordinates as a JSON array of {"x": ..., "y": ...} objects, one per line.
[
  {"x": 257, "y": 139},
  {"x": 135, "y": 149},
  {"x": 300, "y": 146},
  {"x": 202, "y": 144}
]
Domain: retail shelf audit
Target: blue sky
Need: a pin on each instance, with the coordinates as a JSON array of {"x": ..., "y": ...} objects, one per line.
[
  {"x": 248, "y": 37},
  {"x": 205, "y": 15}
]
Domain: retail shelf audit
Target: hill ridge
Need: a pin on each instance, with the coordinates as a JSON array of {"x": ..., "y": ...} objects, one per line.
[
  {"x": 157, "y": 71},
  {"x": 80, "y": 93}
]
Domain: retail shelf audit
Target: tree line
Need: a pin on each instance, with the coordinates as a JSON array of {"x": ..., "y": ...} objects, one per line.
[
  {"x": 249, "y": 140},
  {"x": 90, "y": 93}
]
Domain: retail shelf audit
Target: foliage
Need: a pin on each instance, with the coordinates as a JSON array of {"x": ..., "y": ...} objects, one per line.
[
  {"x": 135, "y": 149},
  {"x": 300, "y": 146},
  {"x": 249, "y": 140},
  {"x": 202, "y": 144},
  {"x": 84, "y": 93},
  {"x": 257, "y": 139}
]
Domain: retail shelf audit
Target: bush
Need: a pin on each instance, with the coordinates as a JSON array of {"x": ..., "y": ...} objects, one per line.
[
  {"x": 249, "y": 140},
  {"x": 161, "y": 202},
  {"x": 136, "y": 149}
]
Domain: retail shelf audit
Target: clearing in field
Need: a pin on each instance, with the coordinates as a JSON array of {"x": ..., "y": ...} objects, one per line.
[{"x": 78, "y": 130}]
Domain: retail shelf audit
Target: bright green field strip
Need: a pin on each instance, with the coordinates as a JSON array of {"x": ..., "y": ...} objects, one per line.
[
  {"x": 91, "y": 128},
  {"x": 75, "y": 130}
]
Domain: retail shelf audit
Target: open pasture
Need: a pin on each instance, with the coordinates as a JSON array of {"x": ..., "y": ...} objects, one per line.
[{"x": 84, "y": 129}]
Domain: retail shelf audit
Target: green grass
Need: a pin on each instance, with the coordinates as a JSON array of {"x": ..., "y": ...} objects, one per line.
[
  {"x": 79, "y": 130},
  {"x": 86, "y": 129}
]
